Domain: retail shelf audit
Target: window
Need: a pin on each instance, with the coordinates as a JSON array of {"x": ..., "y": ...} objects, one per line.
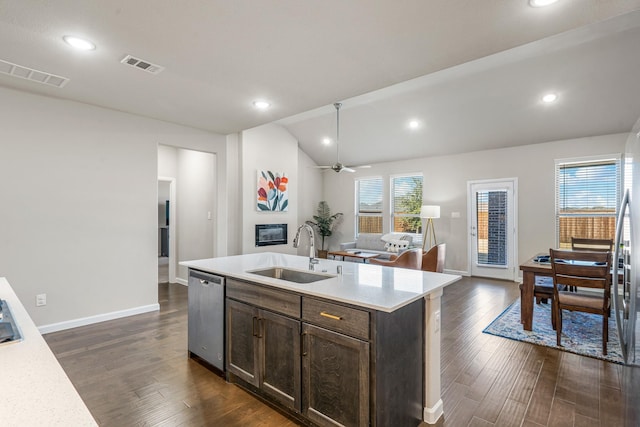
[
  {"x": 406, "y": 201},
  {"x": 369, "y": 205},
  {"x": 587, "y": 197}
]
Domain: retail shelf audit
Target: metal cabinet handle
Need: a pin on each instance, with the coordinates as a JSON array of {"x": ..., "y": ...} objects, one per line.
[
  {"x": 330, "y": 316},
  {"x": 254, "y": 321},
  {"x": 304, "y": 352}
]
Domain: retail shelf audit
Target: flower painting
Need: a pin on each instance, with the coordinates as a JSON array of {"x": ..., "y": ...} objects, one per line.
[{"x": 272, "y": 192}]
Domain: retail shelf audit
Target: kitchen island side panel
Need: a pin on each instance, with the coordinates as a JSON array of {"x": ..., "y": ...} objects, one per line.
[{"x": 398, "y": 372}]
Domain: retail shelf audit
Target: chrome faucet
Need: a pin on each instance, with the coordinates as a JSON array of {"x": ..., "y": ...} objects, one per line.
[{"x": 312, "y": 239}]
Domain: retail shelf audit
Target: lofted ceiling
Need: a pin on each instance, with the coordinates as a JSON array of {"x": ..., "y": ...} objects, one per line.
[{"x": 471, "y": 72}]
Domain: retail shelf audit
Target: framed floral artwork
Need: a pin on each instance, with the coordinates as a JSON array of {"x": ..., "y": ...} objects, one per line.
[{"x": 272, "y": 192}]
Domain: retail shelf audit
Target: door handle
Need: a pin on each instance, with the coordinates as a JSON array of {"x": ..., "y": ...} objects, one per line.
[{"x": 254, "y": 321}]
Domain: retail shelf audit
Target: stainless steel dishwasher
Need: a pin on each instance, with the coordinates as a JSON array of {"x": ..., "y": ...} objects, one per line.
[{"x": 206, "y": 317}]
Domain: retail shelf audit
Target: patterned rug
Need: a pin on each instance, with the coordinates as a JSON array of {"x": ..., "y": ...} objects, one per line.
[{"x": 581, "y": 332}]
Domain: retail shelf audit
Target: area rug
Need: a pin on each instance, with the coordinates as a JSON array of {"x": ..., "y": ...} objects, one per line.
[{"x": 581, "y": 332}]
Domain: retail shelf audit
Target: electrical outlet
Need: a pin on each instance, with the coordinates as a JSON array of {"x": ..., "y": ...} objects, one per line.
[
  {"x": 41, "y": 299},
  {"x": 437, "y": 321}
]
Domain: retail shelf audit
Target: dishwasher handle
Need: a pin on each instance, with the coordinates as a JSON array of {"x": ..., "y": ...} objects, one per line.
[{"x": 206, "y": 279}]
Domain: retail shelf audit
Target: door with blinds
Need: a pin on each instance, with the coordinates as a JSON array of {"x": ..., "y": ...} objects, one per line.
[{"x": 492, "y": 228}]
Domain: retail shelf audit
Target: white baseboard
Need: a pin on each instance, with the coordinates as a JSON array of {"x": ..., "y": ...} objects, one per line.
[
  {"x": 431, "y": 415},
  {"x": 182, "y": 281},
  {"x": 55, "y": 327}
]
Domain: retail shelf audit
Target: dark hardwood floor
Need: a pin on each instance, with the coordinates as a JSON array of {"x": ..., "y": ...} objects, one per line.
[{"x": 135, "y": 371}]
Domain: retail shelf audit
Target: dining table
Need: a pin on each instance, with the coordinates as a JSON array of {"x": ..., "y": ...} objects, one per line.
[{"x": 531, "y": 269}]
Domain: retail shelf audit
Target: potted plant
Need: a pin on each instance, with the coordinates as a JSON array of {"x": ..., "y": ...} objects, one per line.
[{"x": 324, "y": 223}]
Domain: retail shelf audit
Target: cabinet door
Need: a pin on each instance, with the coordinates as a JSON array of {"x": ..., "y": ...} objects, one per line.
[
  {"x": 242, "y": 341},
  {"x": 280, "y": 357},
  {"x": 335, "y": 378}
]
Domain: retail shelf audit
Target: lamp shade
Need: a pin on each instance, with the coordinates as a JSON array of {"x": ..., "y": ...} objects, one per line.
[{"x": 430, "y": 211}]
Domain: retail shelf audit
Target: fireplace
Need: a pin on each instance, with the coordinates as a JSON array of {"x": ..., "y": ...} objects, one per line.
[{"x": 271, "y": 234}]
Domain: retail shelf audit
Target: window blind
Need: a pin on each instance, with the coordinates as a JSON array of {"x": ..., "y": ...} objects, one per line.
[
  {"x": 587, "y": 198},
  {"x": 369, "y": 205}
]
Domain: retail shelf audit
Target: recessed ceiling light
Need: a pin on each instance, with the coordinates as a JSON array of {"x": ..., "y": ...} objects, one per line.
[
  {"x": 261, "y": 104},
  {"x": 78, "y": 43},
  {"x": 541, "y": 3},
  {"x": 549, "y": 98},
  {"x": 414, "y": 124},
  {"x": 326, "y": 141}
]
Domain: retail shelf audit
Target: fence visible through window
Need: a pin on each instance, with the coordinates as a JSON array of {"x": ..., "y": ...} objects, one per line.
[{"x": 492, "y": 227}]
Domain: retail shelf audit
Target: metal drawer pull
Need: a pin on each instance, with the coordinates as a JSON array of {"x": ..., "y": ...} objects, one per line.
[{"x": 330, "y": 316}]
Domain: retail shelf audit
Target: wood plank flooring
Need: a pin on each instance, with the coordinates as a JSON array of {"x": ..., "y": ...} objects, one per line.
[{"x": 135, "y": 371}]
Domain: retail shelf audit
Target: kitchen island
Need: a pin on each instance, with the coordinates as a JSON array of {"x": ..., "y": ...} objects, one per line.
[{"x": 371, "y": 315}]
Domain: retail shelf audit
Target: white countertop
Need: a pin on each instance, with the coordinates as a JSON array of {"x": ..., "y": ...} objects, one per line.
[
  {"x": 36, "y": 391},
  {"x": 381, "y": 288}
]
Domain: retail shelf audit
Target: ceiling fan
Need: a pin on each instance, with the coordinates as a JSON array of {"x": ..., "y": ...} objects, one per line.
[{"x": 337, "y": 166}]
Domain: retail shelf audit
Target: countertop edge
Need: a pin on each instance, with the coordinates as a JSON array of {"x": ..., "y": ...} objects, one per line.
[{"x": 441, "y": 280}]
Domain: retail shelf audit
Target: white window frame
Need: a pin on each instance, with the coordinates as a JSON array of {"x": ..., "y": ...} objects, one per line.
[
  {"x": 357, "y": 203},
  {"x": 417, "y": 237},
  {"x": 616, "y": 158}
]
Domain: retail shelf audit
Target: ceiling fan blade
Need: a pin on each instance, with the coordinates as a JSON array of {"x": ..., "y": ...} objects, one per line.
[
  {"x": 321, "y": 167},
  {"x": 347, "y": 169},
  {"x": 360, "y": 167}
]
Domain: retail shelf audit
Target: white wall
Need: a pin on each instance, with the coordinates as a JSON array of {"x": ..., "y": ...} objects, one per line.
[
  {"x": 195, "y": 177},
  {"x": 268, "y": 148},
  {"x": 309, "y": 195},
  {"x": 79, "y": 204},
  {"x": 445, "y": 184},
  {"x": 195, "y": 207}
]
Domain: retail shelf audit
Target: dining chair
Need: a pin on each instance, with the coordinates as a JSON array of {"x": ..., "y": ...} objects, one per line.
[
  {"x": 582, "y": 269},
  {"x": 433, "y": 259},
  {"x": 597, "y": 245},
  {"x": 411, "y": 258}
]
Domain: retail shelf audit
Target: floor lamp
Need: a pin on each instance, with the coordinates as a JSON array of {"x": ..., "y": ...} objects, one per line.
[{"x": 429, "y": 212}]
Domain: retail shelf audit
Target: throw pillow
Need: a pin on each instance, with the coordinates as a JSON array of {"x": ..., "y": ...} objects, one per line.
[{"x": 396, "y": 245}]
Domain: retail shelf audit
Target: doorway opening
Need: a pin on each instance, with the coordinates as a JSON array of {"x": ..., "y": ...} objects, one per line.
[{"x": 166, "y": 230}]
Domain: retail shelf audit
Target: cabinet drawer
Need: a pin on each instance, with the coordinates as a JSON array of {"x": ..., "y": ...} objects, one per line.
[
  {"x": 347, "y": 320},
  {"x": 259, "y": 296}
]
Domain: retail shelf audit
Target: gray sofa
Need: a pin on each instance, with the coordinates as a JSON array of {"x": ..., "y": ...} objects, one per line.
[{"x": 373, "y": 243}]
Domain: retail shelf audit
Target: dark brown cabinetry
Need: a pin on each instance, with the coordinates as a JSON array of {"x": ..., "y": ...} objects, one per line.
[
  {"x": 263, "y": 349},
  {"x": 329, "y": 363},
  {"x": 335, "y": 378}
]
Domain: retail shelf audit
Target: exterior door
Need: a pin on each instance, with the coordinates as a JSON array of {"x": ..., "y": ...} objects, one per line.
[{"x": 493, "y": 228}]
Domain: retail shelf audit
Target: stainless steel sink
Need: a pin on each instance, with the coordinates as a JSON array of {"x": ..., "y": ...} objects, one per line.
[{"x": 295, "y": 276}]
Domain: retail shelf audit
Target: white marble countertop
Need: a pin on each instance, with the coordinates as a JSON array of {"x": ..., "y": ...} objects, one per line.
[
  {"x": 36, "y": 390},
  {"x": 380, "y": 288}
]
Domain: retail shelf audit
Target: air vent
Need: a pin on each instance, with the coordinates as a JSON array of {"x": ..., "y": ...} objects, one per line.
[
  {"x": 27, "y": 73},
  {"x": 142, "y": 64}
]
